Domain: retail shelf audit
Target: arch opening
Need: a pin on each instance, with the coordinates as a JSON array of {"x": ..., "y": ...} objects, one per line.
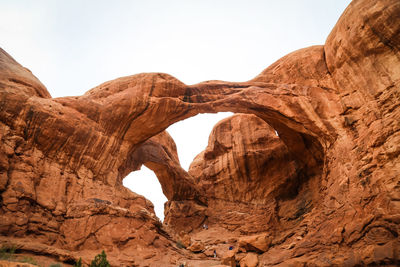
[
  {"x": 302, "y": 129},
  {"x": 159, "y": 153},
  {"x": 144, "y": 182},
  {"x": 191, "y": 135},
  {"x": 152, "y": 173}
]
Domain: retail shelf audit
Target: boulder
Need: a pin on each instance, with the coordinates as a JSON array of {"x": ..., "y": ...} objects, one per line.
[
  {"x": 257, "y": 243},
  {"x": 228, "y": 258},
  {"x": 250, "y": 260},
  {"x": 196, "y": 246}
]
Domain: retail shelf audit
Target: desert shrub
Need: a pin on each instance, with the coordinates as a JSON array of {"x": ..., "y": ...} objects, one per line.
[
  {"x": 29, "y": 260},
  {"x": 180, "y": 245},
  {"x": 78, "y": 263},
  {"x": 55, "y": 265},
  {"x": 100, "y": 260},
  {"x": 7, "y": 252}
]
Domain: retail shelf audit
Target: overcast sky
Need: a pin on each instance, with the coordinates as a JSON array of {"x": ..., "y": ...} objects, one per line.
[{"x": 72, "y": 46}]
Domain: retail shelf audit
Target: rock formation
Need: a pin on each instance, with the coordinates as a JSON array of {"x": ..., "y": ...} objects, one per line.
[
  {"x": 324, "y": 189},
  {"x": 245, "y": 162}
]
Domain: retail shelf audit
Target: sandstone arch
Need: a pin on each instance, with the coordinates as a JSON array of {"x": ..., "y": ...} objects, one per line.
[
  {"x": 335, "y": 106},
  {"x": 131, "y": 101},
  {"x": 115, "y": 117},
  {"x": 92, "y": 141}
]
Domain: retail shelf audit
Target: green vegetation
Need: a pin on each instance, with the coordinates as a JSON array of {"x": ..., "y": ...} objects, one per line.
[
  {"x": 78, "y": 263},
  {"x": 7, "y": 252},
  {"x": 29, "y": 260},
  {"x": 100, "y": 260},
  {"x": 180, "y": 245}
]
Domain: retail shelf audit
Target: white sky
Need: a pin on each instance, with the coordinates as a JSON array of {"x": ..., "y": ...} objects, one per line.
[{"x": 74, "y": 45}]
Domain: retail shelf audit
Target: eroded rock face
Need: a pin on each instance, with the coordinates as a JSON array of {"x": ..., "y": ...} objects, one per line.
[
  {"x": 248, "y": 175},
  {"x": 245, "y": 162},
  {"x": 53, "y": 199},
  {"x": 335, "y": 109}
]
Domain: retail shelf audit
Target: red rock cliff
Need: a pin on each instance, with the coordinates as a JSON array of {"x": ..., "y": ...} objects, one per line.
[{"x": 325, "y": 191}]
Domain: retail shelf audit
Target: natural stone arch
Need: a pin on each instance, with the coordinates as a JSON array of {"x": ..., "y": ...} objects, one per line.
[
  {"x": 130, "y": 110},
  {"x": 160, "y": 155},
  {"x": 79, "y": 147},
  {"x": 301, "y": 133},
  {"x": 117, "y": 117}
]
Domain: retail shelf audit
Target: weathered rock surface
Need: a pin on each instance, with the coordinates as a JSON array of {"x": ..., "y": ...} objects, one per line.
[
  {"x": 197, "y": 246},
  {"x": 257, "y": 243},
  {"x": 4, "y": 263},
  {"x": 245, "y": 162},
  {"x": 250, "y": 260},
  {"x": 229, "y": 258},
  {"x": 325, "y": 191}
]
